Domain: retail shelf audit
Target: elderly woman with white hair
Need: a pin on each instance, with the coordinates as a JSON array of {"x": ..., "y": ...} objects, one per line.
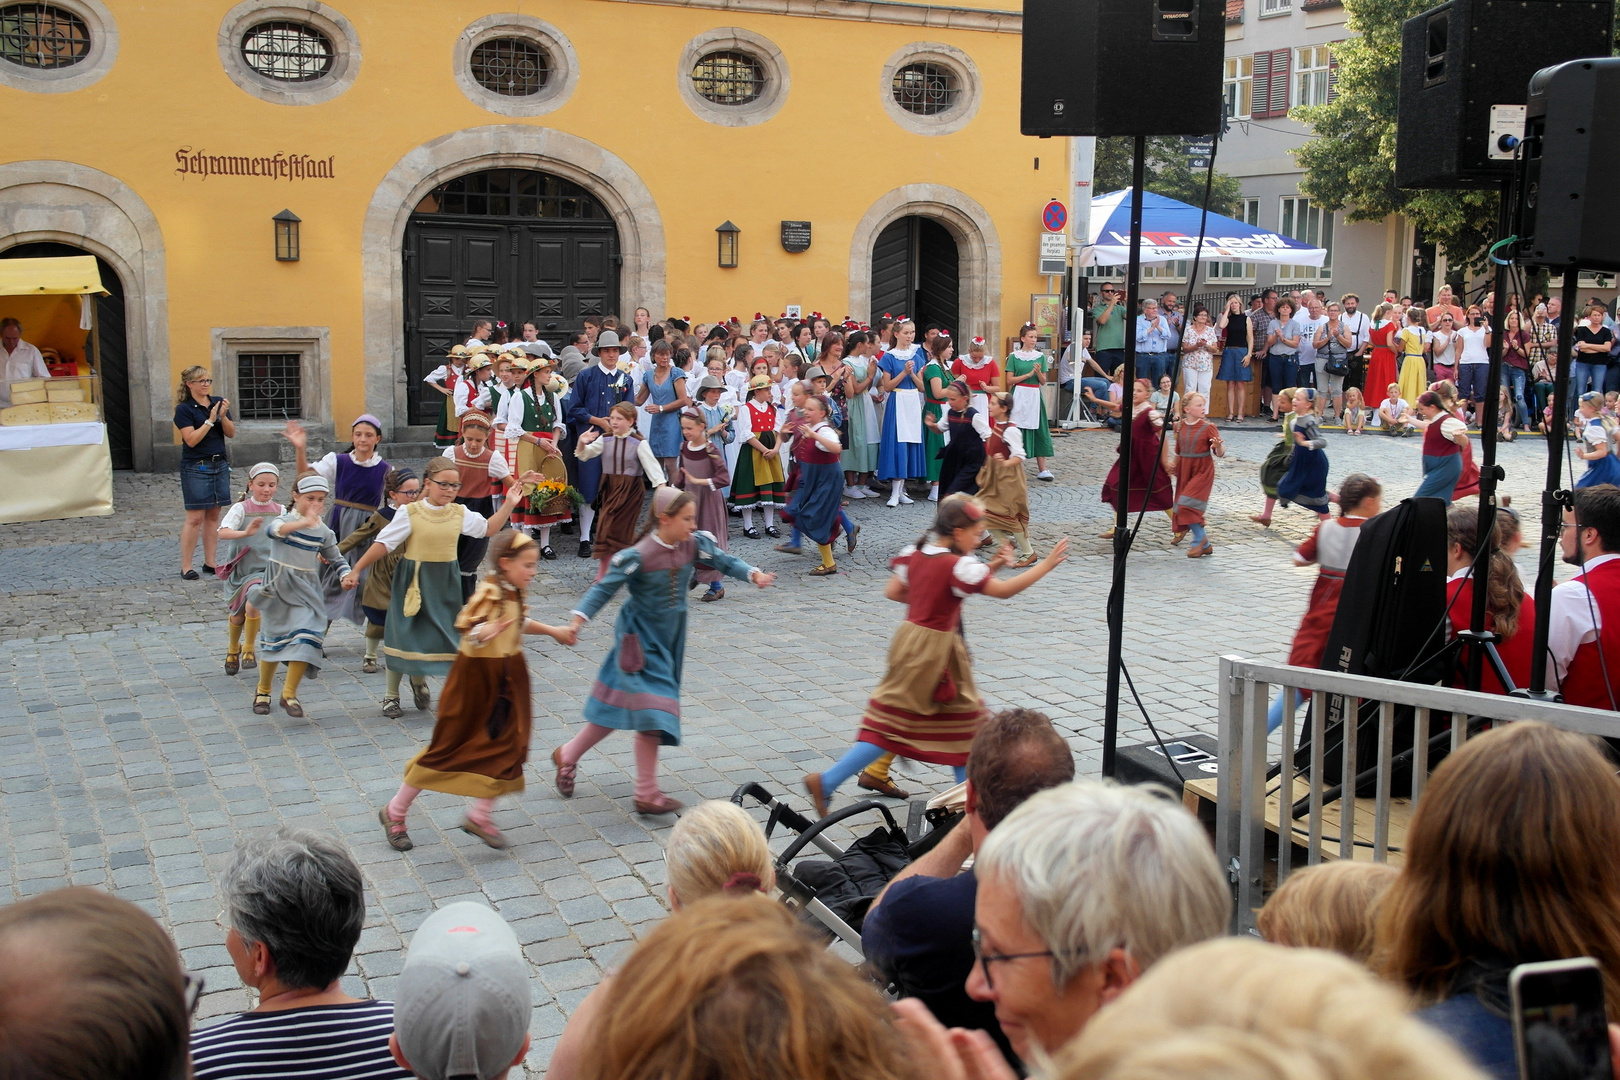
[
  {"x": 294, "y": 907},
  {"x": 1081, "y": 889}
]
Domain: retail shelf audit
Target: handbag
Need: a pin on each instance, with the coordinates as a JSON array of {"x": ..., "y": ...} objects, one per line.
[{"x": 1337, "y": 361}]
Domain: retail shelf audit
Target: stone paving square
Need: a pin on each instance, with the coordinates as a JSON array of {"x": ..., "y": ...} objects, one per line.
[{"x": 131, "y": 762}]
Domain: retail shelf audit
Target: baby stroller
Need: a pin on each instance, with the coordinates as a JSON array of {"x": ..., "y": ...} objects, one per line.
[{"x": 835, "y": 893}]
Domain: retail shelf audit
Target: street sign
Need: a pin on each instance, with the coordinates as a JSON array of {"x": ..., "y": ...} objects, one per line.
[
  {"x": 1054, "y": 253},
  {"x": 1199, "y": 151},
  {"x": 1054, "y": 216}
]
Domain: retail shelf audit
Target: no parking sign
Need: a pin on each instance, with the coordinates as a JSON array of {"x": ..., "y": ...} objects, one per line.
[{"x": 1054, "y": 216}]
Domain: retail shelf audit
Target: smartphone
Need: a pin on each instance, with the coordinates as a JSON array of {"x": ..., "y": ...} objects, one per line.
[{"x": 1560, "y": 1026}]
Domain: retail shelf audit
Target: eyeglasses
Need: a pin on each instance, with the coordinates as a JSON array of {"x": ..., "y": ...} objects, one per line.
[
  {"x": 409, "y": 493},
  {"x": 985, "y": 959},
  {"x": 202, "y": 382},
  {"x": 447, "y": 485},
  {"x": 192, "y": 988}
]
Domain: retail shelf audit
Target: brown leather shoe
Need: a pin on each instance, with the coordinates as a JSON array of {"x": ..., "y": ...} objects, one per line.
[
  {"x": 398, "y": 838},
  {"x": 491, "y": 837},
  {"x": 565, "y": 774},
  {"x": 812, "y": 784},
  {"x": 661, "y": 805},
  {"x": 882, "y": 787},
  {"x": 292, "y": 707}
]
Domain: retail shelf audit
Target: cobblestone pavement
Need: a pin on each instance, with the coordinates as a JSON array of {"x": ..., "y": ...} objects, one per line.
[{"x": 128, "y": 760}]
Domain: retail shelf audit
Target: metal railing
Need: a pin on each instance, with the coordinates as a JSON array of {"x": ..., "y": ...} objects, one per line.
[{"x": 1247, "y": 777}]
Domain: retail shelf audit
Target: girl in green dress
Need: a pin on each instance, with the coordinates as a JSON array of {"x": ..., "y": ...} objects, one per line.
[
  {"x": 936, "y": 376},
  {"x": 1026, "y": 366},
  {"x": 860, "y": 454}
]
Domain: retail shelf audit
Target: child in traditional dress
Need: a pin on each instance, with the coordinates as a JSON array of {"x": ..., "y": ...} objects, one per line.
[
  {"x": 1305, "y": 482},
  {"x": 638, "y": 687},
  {"x": 759, "y": 478},
  {"x": 534, "y": 425},
  {"x": 1275, "y": 466},
  {"x": 480, "y": 471},
  {"x": 1196, "y": 440},
  {"x": 1596, "y": 445},
  {"x": 242, "y": 564},
  {"x": 701, "y": 470},
  {"x": 815, "y": 505},
  {"x": 472, "y": 393},
  {"x": 419, "y": 635},
  {"x": 1330, "y": 547},
  {"x": 936, "y": 375},
  {"x": 481, "y": 738},
  {"x": 859, "y": 458},
  {"x": 1150, "y": 486},
  {"x": 981, "y": 373},
  {"x": 927, "y": 707},
  {"x": 1025, "y": 371},
  {"x": 289, "y": 600},
  {"x": 900, "y": 450},
  {"x": 1003, "y": 487},
  {"x": 357, "y": 479},
  {"x": 401, "y": 487},
  {"x": 444, "y": 379},
  {"x": 626, "y": 460},
  {"x": 965, "y": 431}
]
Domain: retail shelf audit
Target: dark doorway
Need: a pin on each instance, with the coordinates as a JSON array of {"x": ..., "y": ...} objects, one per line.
[
  {"x": 1423, "y": 267},
  {"x": 114, "y": 347},
  {"x": 506, "y": 245},
  {"x": 915, "y": 272}
]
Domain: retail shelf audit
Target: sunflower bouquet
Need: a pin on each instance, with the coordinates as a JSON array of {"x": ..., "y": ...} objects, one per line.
[{"x": 551, "y": 497}]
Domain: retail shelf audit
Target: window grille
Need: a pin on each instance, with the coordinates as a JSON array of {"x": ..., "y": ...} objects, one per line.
[
  {"x": 926, "y": 89},
  {"x": 729, "y": 78},
  {"x": 512, "y": 193},
  {"x": 512, "y": 67},
  {"x": 42, "y": 36},
  {"x": 269, "y": 386},
  {"x": 288, "y": 51}
]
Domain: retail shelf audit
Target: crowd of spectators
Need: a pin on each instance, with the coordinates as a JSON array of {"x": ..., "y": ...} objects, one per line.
[{"x": 1072, "y": 929}]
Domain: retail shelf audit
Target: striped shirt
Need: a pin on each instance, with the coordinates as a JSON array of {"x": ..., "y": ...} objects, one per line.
[{"x": 326, "y": 1042}]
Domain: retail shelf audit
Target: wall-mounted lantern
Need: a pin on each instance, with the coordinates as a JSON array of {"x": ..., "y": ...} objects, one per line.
[{"x": 286, "y": 236}]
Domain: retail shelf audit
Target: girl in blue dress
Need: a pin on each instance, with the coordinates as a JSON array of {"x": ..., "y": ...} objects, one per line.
[
  {"x": 1305, "y": 482},
  {"x": 663, "y": 394},
  {"x": 1595, "y": 443},
  {"x": 900, "y": 377},
  {"x": 638, "y": 687}
]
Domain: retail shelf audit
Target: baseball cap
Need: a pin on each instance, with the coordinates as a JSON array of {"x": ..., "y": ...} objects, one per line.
[{"x": 462, "y": 1008}]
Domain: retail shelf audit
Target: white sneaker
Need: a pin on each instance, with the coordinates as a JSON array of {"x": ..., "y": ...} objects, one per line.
[
  {"x": 933, "y": 495},
  {"x": 872, "y": 492},
  {"x": 1044, "y": 474},
  {"x": 894, "y": 500},
  {"x": 907, "y": 499}
]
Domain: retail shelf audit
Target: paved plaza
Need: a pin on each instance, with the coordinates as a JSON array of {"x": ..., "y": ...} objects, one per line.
[{"x": 130, "y": 761}]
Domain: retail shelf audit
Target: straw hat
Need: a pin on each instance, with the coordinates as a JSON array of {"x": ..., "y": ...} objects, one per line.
[
  {"x": 457, "y": 350},
  {"x": 759, "y": 382},
  {"x": 478, "y": 362}
]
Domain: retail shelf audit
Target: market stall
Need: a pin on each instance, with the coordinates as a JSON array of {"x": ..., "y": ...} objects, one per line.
[{"x": 53, "y": 439}]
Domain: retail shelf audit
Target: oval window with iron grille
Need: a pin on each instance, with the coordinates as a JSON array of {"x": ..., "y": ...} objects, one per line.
[
  {"x": 288, "y": 51},
  {"x": 510, "y": 66},
  {"x": 42, "y": 36},
  {"x": 926, "y": 89},
  {"x": 729, "y": 78}
]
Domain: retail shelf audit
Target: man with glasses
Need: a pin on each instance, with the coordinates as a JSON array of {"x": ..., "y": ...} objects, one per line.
[
  {"x": 918, "y": 932},
  {"x": 1153, "y": 336},
  {"x": 22, "y": 359},
  {"x": 1064, "y": 924},
  {"x": 1583, "y": 623},
  {"x": 1108, "y": 328}
]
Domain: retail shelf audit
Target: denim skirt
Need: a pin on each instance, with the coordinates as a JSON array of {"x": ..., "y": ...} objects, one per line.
[
  {"x": 1232, "y": 369},
  {"x": 205, "y": 485}
]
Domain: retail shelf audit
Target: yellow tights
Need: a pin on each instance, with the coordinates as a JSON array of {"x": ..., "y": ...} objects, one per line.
[
  {"x": 289, "y": 689},
  {"x": 826, "y": 554},
  {"x": 879, "y": 769}
]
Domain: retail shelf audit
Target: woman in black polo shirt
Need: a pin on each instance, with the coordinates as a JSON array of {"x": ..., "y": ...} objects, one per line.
[{"x": 205, "y": 469}]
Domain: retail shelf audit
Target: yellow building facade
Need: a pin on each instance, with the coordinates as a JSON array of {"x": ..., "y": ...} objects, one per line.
[{"x": 452, "y": 159}]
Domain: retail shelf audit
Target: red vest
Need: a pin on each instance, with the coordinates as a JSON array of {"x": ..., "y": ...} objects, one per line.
[
  {"x": 1436, "y": 444},
  {"x": 1583, "y": 683},
  {"x": 1516, "y": 652}
]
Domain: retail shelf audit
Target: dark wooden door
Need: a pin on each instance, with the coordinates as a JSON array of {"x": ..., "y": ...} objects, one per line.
[
  {"x": 114, "y": 344},
  {"x": 916, "y": 272},
  {"x": 458, "y": 269}
]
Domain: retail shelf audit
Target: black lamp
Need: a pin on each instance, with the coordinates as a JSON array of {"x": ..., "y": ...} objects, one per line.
[
  {"x": 286, "y": 236},
  {"x": 728, "y": 245}
]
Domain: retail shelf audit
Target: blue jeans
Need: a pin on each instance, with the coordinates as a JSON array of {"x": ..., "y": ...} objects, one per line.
[
  {"x": 1611, "y": 381},
  {"x": 1588, "y": 376},
  {"x": 1098, "y": 388},
  {"x": 1516, "y": 378},
  {"x": 1152, "y": 366},
  {"x": 1282, "y": 372}
]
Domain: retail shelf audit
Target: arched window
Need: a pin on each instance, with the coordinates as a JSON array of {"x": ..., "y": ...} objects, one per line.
[{"x": 519, "y": 193}]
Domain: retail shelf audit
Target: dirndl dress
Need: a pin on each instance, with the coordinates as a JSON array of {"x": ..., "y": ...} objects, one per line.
[
  {"x": 244, "y": 561},
  {"x": 963, "y": 456},
  {"x": 1003, "y": 486},
  {"x": 291, "y": 607},
  {"x": 420, "y": 635},
  {"x": 758, "y": 480},
  {"x": 861, "y": 449},
  {"x": 1305, "y": 482},
  {"x": 357, "y": 493},
  {"x": 813, "y": 508},
  {"x": 706, "y": 463}
]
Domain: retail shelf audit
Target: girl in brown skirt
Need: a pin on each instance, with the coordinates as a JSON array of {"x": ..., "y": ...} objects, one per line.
[
  {"x": 481, "y": 739},
  {"x": 1003, "y": 488},
  {"x": 927, "y": 707},
  {"x": 626, "y": 461}
]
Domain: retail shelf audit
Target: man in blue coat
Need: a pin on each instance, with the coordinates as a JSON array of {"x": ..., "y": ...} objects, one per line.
[{"x": 597, "y": 389}]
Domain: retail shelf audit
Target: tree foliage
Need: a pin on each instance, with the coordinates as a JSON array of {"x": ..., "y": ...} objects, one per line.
[
  {"x": 1166, "y": 172},
  {"x": 1351, "y": 162}
]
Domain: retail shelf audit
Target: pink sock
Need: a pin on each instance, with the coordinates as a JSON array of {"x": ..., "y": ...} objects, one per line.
[
  {"x": 478, "y": 813},
  {"x": 647, "y": 766},
  {"x": 588, "y": 736},
  {"x": 400, "y": 805}
]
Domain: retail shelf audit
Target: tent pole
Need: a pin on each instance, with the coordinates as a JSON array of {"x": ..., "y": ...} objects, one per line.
[{"x": 1122, "y": 506}]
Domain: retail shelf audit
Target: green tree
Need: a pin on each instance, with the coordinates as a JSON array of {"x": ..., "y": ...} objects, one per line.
[
  {"x": 1351, "y": 161},
  {"x": 1166, "y": 173}
]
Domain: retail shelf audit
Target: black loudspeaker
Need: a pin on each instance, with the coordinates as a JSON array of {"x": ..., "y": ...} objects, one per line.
[
  {"x": 1461, "y": 58},
  {"x": 1572, "y": 160},
  {"x": 1122, "y": 67},
  {"x": 1191, "y": 757}
]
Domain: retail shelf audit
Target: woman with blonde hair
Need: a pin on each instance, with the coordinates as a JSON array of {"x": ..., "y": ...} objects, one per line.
[
  {"x": 1330, "y": 906},
  {"x": 734, "y": 988},
  {"x": 715, "y": 848},
  {"x": 1509, "y": 859},
  {"x": 204, "y": 423}
]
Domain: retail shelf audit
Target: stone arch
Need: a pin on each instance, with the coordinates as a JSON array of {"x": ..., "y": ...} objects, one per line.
[
  {"x": 979, "y": 291},
  {"x": 78, "y": 205},
  {"x": 521, "y": 146}
]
